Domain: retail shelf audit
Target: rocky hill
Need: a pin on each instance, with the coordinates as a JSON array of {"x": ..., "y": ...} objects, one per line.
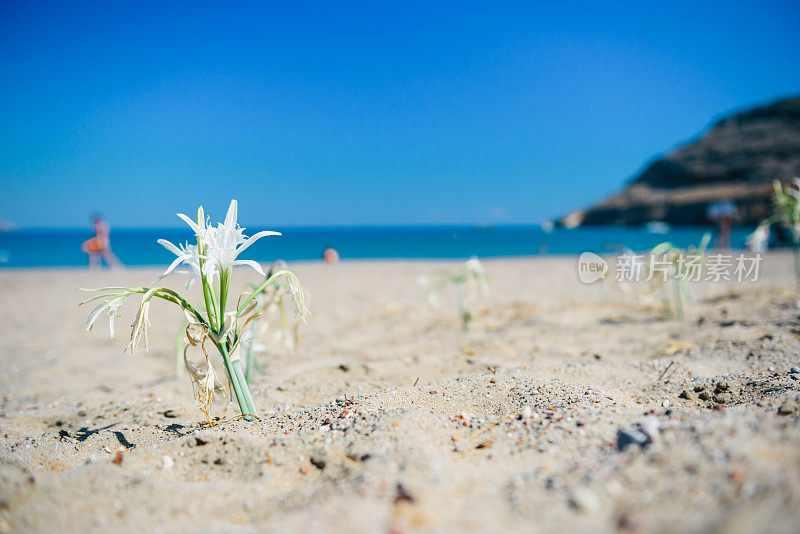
[{"x": 736, "y": 160}]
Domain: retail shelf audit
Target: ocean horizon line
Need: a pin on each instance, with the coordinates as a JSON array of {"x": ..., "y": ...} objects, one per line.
[
  {"x": 376, "y": 227},
  {"x": 138, "y": 246}
]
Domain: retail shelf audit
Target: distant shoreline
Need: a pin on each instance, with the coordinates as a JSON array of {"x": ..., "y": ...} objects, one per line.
[{"x": 61, "y": 248}]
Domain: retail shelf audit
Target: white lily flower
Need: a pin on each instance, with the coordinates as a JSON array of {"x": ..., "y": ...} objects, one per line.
[
  {"x": 212, "y": 260},
  {"x": 111, "y": 307},
  {"x": 224, "y": 243}
]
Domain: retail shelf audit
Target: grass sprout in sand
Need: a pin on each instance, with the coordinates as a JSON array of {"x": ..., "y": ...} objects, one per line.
[
  {"x": 468, "y": 281},
  {"x": 676, "y": 267},
  {"x": 271, "y": 301},
  {"x": 210, "y": 261},
  {"x": 787, "y": 213}
]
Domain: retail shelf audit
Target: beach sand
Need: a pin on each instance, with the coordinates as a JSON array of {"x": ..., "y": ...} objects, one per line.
[{"x": 388, "y": 418}]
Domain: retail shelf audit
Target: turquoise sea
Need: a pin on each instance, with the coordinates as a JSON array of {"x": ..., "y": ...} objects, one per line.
[{"x": 57, "y": 248}]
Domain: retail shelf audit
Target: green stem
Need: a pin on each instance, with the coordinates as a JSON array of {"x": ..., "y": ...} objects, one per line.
[
  {"x": 224, "y": 286},
  {"x": 208, "y": 299},
  {"x": 462, "y": 309},
  {"x": 240, "y": 389},
  {"x": 676, "y": 288},
  {"x": 251, "y": 353},
  {"x": 796, "y": 263},
  {"x": 237, "y": 367},
  {"x": 208, "y": 295},
  {"x": 259, "y": 289},
  {"x": 282, "y": 311}
]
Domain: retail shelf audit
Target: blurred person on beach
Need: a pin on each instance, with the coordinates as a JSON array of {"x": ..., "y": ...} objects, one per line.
[
  {"x": 330, "y": 256},
  {"x": 723, "y": 214},
  {"x": 100, "y": 245}
]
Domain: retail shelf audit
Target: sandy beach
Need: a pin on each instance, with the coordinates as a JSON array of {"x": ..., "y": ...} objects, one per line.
[{"x": 388, "y": 418}]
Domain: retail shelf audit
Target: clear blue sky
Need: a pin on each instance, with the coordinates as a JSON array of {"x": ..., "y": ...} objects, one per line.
[{"x": 342, "y": 113}]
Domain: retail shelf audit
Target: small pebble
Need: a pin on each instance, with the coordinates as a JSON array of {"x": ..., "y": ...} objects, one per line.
[
  {"x": 795, "y": 370},
  {"x": 167, "y": 462}
]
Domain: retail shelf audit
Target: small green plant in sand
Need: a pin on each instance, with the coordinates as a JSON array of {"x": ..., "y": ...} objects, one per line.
[
  {"x": 210, "y": 261},
  {"x": 786, "y": 200},
  {"x": 676, "y": 267},
  {"x": 469, "y": 282},
  {"x": 270, "y": 302}
]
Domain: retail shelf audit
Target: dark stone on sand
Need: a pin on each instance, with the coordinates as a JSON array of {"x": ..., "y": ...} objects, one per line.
[
  {"x": 318, "y": 460},
  {"x": 722, "y": 398},
  {"x": 789, "y": 407},
  {"x": 630, "y": 436}
]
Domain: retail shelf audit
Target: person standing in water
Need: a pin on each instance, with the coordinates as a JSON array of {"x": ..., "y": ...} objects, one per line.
[{"x": 100, "y": 245}]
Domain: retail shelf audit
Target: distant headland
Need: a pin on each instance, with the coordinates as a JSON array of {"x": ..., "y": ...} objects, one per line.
[{"x": 735, "y": 161}]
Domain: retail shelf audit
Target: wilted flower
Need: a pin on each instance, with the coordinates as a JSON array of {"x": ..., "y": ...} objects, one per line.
[
  {"x": 203, "y": 383},
  {"x": 111, "y": 307},
  {"x": 141, "y": 324}
]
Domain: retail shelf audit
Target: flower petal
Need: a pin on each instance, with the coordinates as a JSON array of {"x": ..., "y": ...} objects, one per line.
[
  {"x": 96, "y": 313},
  {"x": 193, "y": 225},
  {"x": 180, "y": 259},
  {"x": 253, "y": 238},
  {"x": 230, "y": 217},
  {"x": 251, "y": 263},
  {"x": 169, "y": 246}
]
